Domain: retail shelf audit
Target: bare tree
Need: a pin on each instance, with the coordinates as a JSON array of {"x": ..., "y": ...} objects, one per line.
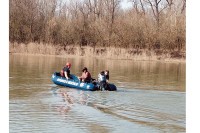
[
  {"x": 95, "y": 7},
  {"x": 142, "y": 6},
  {"x": 156, "y": 9},
  {"x": 23, "y": 14},
  {"x": 138, "y": 5},
  {"x": 183, "y": 6},
  {"x": 111, "y": 9},
  {"x": 169, "y": 2},
  {"x": 98, "y": 23}
]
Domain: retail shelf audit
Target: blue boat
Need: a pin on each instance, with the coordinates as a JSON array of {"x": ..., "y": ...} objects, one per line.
[{"x": 74, "y": 82}]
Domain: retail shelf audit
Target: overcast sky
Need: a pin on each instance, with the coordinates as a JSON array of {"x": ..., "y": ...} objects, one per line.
[{"x": 125, "y": 4}]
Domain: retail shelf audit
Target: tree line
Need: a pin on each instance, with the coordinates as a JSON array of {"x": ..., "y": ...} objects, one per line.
[{"x": 148, "y": 24}]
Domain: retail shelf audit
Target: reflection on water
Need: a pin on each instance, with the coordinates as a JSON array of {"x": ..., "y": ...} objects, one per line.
[{"x": 150, "y": 97}]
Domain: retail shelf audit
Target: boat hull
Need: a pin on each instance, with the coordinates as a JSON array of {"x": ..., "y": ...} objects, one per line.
[{"x": 74, "y": 82}]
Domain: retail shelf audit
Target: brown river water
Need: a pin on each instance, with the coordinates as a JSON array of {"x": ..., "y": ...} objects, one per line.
[{"x": 150, "y": 97}]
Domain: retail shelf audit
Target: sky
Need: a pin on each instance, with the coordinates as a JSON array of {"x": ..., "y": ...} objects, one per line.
[{"x": 126, "y": 4}]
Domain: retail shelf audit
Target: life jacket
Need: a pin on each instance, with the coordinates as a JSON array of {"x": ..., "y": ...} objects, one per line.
[{"x": 63, "y": 70}]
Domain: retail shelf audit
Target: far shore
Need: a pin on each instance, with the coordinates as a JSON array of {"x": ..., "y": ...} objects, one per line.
[{"x": 102, "y": 53}]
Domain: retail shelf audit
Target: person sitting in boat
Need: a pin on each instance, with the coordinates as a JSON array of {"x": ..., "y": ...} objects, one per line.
[
  {"x": 65, "y": 72},
  {"x": 86, "y": 76},
  {"x": 102, "y": 81},
  {"x": 107, "y": 75}
]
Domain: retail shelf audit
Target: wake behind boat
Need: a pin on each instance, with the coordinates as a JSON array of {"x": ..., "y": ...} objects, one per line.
[{"x": 74, "y": 82}]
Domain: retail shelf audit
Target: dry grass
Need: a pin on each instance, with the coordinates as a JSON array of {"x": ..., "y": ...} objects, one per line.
[{"x": 100, "y": 52}]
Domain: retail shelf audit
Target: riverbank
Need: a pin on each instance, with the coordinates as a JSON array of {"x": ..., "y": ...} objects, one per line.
[{"x": 98, "y": 52}]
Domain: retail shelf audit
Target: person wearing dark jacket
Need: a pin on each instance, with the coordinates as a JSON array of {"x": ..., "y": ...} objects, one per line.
[
  {"x": 65, "y": 72},
  {"x": 107, "y": 75},
  {"x": 103, "y": 79}
]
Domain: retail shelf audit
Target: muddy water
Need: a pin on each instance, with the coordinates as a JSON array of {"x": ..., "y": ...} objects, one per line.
[{"x": 150, "y": 97}]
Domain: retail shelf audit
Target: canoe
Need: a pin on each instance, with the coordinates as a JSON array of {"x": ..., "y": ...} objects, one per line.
[{"x": 74, "y": 82}]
